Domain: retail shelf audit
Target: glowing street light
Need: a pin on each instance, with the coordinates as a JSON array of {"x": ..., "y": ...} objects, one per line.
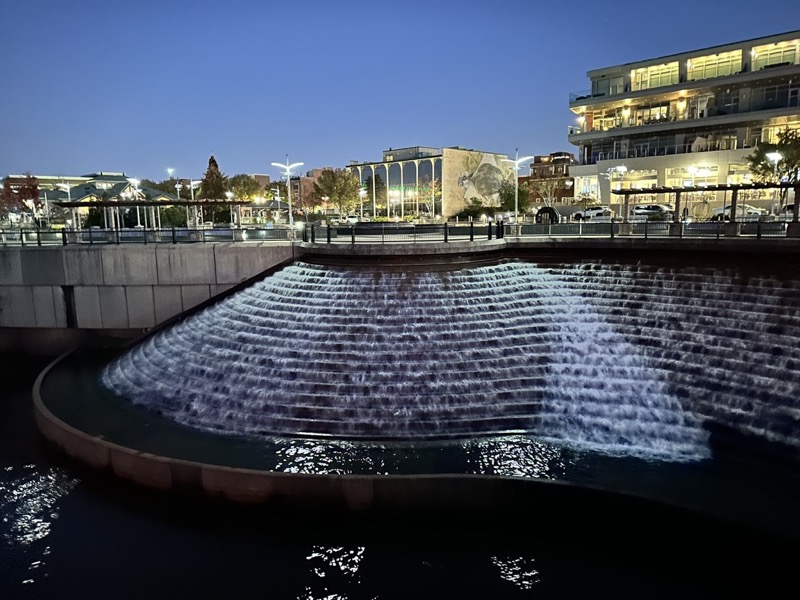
[
  {"x": 193, "y": 183},
  {"x": 229, "y": 196},
  {"x": 66, "y": 186},
  {"x": 516, "y": 162},
  {"x": 775, "y": 157},
  {"x": 288, "y": 168}
]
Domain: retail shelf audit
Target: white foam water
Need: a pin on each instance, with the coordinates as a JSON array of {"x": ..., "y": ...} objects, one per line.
[{"x": 353, "y": 353}]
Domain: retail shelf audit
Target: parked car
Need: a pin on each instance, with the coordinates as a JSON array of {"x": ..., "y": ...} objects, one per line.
[
  {"x": 652, "y": 210},
  {"x": 744, "y": 212},
  {"x": 592, "y": 212}
]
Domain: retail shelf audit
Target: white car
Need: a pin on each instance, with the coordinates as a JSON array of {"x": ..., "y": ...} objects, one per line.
[
  {"x": 744, "y": 212},
  {"x": 352, "y": 219},
  {"x": 592, "y": 212},
  {"x": 652, "y": 210}
]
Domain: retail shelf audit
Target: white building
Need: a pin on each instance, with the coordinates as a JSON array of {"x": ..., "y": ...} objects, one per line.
[{"x": 685, "y": 119}]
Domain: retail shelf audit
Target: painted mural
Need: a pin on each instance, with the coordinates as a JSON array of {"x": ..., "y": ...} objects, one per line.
[{"x": 470, "y": 174}]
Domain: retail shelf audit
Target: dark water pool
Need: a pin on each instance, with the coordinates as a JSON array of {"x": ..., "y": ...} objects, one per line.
[{"x": 70, "y": 533}]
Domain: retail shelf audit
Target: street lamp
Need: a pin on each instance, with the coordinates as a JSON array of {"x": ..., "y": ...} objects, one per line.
[
  {"x": 229, "y": 196},
  {"x": 288, "y": 168},
  {"x": 516, "y": 162},
  {"x": 361, "y": 193},
  {"x": 775, "y": 157}
]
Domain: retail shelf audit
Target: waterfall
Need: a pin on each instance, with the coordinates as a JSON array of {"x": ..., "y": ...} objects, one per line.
[{"x": 596, "y": 357}]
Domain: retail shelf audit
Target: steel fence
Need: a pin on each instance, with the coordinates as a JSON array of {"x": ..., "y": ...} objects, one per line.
[{"x": 395, "y": 233}]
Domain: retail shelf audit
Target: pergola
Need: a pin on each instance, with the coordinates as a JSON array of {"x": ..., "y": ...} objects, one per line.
[
  {"x": 152, "y": 206},
  {"x": 733, "y": 188}
]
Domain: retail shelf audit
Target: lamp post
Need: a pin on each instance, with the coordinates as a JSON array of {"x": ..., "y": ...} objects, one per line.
[
  {"x": 361, "y": 193},
  {"x": 288, "y": 169},
  {"x": 193, "y": 183},
  {"x": 516, "y": 162},
  {"x": 775, "y": 157},
  {"x": 229, "y": 196}
]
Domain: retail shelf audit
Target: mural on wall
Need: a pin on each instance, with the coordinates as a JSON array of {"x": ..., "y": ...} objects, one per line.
[{"x": 469, "y": 174}]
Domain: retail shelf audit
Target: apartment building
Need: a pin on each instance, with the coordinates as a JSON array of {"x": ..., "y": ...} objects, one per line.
[{"x": 687, "y": 119}]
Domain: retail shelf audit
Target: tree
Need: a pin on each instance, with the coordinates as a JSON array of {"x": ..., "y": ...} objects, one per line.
[
  {"x": 22, "y": 196},
  {"x": 244, "y": 187},
  {"x": 341, "y": 187},
  {"x": 380, "y": 192},
  {"x": 167, "y": 186},
  {"x": 787, "y": 167},
  {"x": 213, "y": 187},
  {"x": 548, "y": 190},
  {"x": 173, "y": 216},
  {"x": 508, "y": 197},
  {"x": 430, "y": 194}
]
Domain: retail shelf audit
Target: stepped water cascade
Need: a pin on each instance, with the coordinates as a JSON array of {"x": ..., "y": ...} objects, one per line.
[{"x": 621, "y": 360}]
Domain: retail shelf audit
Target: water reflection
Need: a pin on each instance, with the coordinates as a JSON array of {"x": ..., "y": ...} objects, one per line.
[
  {"x": 28, "y": 511},
  {"x": 518, "y": 570},
  {"x": 517, "y": 456},
  {"x": 335, "y": 572}
]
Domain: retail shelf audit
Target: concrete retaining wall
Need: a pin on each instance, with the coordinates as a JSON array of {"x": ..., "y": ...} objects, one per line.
[{"x": 121, "y": 287}]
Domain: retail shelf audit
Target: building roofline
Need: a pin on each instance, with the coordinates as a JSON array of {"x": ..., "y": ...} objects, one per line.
[{"x": 774, "y": 38}]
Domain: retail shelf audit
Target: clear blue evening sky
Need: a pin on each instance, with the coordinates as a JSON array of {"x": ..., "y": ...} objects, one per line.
[{"x": 141, "y": 86}]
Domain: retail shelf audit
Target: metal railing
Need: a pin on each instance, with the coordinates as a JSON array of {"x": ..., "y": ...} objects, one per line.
[
  {"x": 174, "y": 235},
  {"x": 405, "y": 233}
]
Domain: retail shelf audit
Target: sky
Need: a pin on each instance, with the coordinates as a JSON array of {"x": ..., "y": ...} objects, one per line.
[{"x": 140, "y": 87}]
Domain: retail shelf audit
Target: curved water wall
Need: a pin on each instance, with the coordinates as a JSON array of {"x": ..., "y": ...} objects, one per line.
[{"x": 618, "y": 359}]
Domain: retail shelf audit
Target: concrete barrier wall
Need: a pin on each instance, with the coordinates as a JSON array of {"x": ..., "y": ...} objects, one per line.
[{"x": 121, "y": 287}]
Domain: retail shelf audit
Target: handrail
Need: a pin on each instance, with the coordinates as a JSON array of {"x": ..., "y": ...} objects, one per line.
[{"x": 398, "y": 233}]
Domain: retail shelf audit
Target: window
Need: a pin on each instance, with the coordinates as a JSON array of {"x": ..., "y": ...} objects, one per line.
[
  {"x": 716, "y": 65},
  {"x": 764, "y": 57},
  {"x": 655, "y": 76}
]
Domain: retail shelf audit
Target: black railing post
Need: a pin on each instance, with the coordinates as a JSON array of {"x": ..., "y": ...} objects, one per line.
[
  {"x": 116, "y": 235},
  {"x": 352, "y": 234},
  {"x": 21, "y": 236},
  {"x": 446, "y": 239},
  {"x": 758, "y": 229},
  {"x": 38, "y": 237},
  {"x": 174, "y": 235},
  {"x": 611, "y": 225},
  {"x": 645, "y": 229},
  {"x": 489, "y": 223},
  {"x": 313, "y": 234},
  {"x": 328, "y": 227},
  {"x": 64, "y": 236},
  {"x": 471, "y": 231},
  {"x": 91, "y": 238}
]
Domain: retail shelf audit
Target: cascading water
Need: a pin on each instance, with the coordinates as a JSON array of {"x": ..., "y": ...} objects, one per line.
[{"x": 623, "y": 360}]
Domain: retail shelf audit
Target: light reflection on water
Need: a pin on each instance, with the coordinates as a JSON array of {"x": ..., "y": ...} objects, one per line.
[
  {"x": 517, "y": 456},
  {"x": 335, "y": 570},
  {"x": 28, "y": 511},
  {"x": 507, "y": 456},
  {"x": 517, "y": 570}
]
